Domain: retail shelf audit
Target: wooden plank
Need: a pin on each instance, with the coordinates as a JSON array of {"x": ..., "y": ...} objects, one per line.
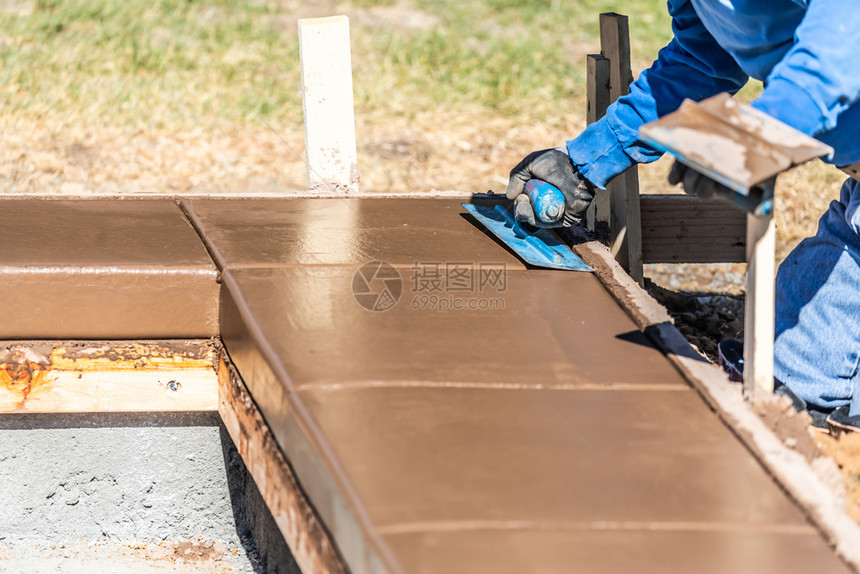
[
  {"x": 759, "y": 307},
  {"x": 110, "y": 391},
  {"x": 597, "y": 100},
  {"x": 309, "y": 542},
  {"x": 112, "y": 376},
  {"x": 686, "y": 229},
  {"x": 330, "y": 152},
  {"x": 624, "y": 222}
]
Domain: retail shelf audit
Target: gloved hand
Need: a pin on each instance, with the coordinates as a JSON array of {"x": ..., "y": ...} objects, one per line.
[
  {"x": 696, "y": 183},
  {"x": 758, "y": 199},
  {"x": 555, "y": 167}
]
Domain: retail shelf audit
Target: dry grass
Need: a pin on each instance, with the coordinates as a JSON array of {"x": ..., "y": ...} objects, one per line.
[{"x": 131, "y": 96}]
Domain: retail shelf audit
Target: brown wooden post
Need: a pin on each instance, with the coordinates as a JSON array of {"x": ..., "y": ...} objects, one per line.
[
  {"x": 624, "y": 223},
  {"x": 597, "y": 100}
]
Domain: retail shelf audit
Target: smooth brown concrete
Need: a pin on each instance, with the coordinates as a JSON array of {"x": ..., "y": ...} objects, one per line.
[
  {"x": 104, "y": 269},
  {"x": 547, "y": 329},
  {"x": 278, "y": 232},
  {"x": 543, "y": 457},
  {"x": 542, "y": 436},
  {"x": 609, "y": 551}
]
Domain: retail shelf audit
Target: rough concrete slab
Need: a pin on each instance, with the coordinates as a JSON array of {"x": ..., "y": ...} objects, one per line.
[
  {"x": 64, "y": 483},
  {"x": 131, "y": 492},
  {"x": 104, "y": 269},
  {"x": 326, "y": 231}
]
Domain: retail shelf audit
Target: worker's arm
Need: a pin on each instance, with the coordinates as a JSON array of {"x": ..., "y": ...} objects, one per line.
[
  {"x": 819, "y": 77},
  {"x": 691, "y": 66}
]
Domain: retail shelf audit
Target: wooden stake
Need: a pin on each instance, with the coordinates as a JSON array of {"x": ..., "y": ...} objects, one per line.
[
  {"x": 597, "y": 87},
  {"x": 330, "y": 152},
  {"x": 759, "y": 306},
  {"x": 624, "y": 224},
  {"x": 597, "y": 100}
]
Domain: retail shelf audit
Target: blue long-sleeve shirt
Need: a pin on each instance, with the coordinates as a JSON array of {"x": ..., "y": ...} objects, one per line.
[{"x": 806, "y": 51}]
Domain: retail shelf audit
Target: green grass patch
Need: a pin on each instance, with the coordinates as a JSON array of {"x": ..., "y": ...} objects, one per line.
[{"x": 182, "y": 63}]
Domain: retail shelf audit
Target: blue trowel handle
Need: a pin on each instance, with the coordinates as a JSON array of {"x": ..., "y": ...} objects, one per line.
[{"x": 546, "y": 199}]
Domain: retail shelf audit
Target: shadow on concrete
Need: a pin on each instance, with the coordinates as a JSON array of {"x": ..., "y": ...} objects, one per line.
[{"x": 636, "y": 337}]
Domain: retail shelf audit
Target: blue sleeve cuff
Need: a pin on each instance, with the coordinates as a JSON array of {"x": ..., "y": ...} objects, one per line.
[
  {"x": 791, "y": 104},
  {"x": 597, "y": 154}
]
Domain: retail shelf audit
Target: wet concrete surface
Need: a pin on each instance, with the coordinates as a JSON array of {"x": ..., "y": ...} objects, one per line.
[
  {"x": 280, "y": 232},
  {"x": 544, "y": 457},
  {"x": 104, "y": 269},
  {"x": 545, "y": 329},
  {"x": 438, "y": 423},
  {"x": 541, "y": 435},
  {"x": 606, "y": 548}
]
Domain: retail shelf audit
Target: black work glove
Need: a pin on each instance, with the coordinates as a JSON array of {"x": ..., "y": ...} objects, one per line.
[
  {"x": 555, "y": 167},
  {"x": 696, "y": 183},
  {"x": 758, "y": 200}
]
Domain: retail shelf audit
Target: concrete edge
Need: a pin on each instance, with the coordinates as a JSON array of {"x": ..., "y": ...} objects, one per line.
[
  {"x": 318, "y": 471},
  {"x": 789, "y": 468},
  {"x": 310, "y": 542}
]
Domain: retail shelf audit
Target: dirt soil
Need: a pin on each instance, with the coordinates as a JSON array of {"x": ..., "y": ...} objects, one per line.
[{"x": 704, "y": 318}]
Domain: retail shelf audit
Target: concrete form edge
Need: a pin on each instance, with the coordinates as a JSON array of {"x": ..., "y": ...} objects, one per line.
[
  {"x": 311, "y": 544},
  {"x": 789, "y": 468}
]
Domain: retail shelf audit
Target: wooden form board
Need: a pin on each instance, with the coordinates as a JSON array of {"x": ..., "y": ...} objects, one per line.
[
  {"x": 330, "y": 151},
  {"x": 113, "y": 391},
  {"x": 309, "y": 542},
  {"x": 686, "y": 229},
  {"x": 624, "y": 216},
  {"x": 106, "y": 377}
]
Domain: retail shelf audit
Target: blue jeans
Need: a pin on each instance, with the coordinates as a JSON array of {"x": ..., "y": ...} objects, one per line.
[{"x": 817, "y": 346}]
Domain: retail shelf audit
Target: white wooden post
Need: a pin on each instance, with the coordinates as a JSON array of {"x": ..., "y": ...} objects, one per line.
[
  {"x": 759, "y": 307},
  {"x": 330, "y": 152}
]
